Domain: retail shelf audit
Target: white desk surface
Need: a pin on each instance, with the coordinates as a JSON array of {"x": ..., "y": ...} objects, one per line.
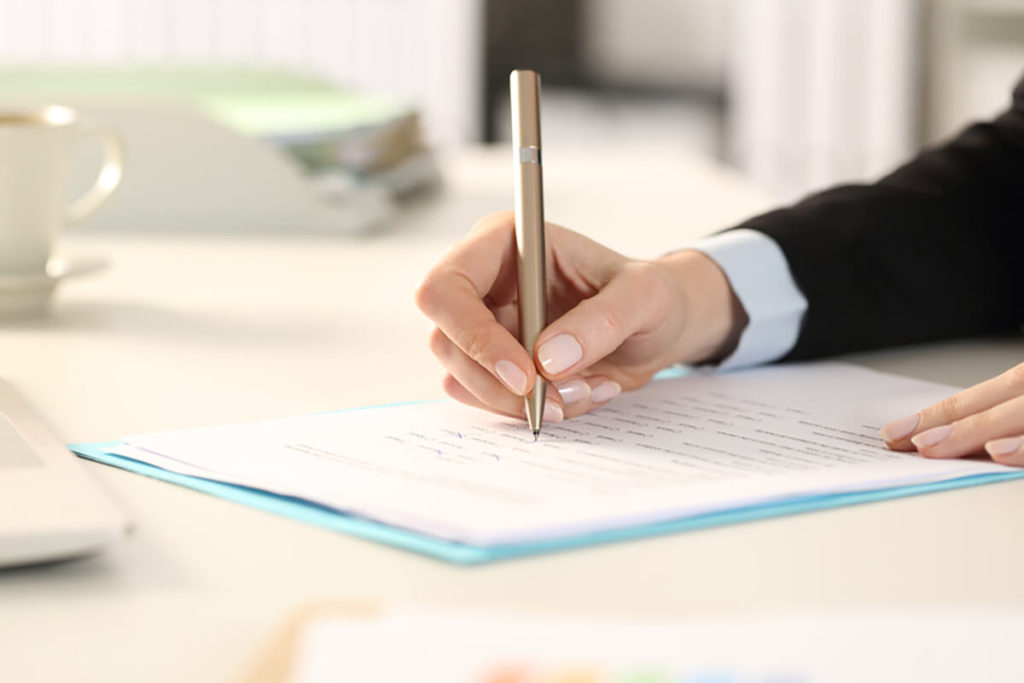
[{"x": 192, "y": 331}]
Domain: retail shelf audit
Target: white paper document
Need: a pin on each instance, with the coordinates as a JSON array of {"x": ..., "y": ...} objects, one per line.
[{"x": 675, "y": 448}]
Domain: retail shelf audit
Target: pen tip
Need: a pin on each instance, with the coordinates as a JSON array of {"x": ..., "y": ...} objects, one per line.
[{"x": 536, "y": 434}]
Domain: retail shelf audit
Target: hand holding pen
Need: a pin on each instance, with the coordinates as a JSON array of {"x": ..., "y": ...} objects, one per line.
[
  {"x": 615, "y": 321},
  {"x": 618, "y": 320}
]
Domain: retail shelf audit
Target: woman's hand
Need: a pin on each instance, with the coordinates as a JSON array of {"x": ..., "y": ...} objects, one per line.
[
  {"x": 615, "y": 321},
  {"x": 988, "y": 416}
]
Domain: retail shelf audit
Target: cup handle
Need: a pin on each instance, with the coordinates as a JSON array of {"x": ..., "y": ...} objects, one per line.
[{"x": 107, "y": 180}]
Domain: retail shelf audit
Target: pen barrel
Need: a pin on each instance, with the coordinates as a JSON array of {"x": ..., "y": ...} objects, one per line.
[
  {"x": 530, "y": 260},
  {"x": 531, "y": 253},
  {"x": 524, "y": 89}
]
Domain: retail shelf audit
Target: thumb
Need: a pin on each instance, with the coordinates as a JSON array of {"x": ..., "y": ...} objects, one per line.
[{"x": 632, "y": 302}]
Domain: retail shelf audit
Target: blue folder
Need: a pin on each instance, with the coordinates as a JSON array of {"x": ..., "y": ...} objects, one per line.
[{"x": 463, "y": 554}]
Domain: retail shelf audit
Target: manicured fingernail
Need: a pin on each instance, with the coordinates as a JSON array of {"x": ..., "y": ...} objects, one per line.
[
  {"x": 553, "y": 412},
  {"x": 560, "y": 353},
  {"x": 894, "y": 431},
  {"x": 605, "y": 391},
  {"x": 573, "y": 391},
  {"x": 1004, "y": 446},
  {"x": 932, "y": 436},
  {"x": 511, "y": 375}
]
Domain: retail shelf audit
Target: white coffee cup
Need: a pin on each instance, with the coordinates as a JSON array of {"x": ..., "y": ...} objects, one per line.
[{"x": 35, "y": 153}]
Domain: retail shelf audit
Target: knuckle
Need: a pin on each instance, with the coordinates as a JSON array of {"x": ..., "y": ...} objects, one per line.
[
  {"x": 438, "y": 343},
  {"x": 648, "y": 288},
  {"x": 475, "y": 343},
  {"x": 945, "y": 411},
  {"x": 451, "y": 386},
  {"x": 425, "y": 294},
  {"x": 609, "y": 320},
  {"x": 646, "y": 274},
  {"x": 1014, "y": 377}
]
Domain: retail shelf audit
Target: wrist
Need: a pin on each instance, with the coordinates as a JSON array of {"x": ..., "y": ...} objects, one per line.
[{"x": 714, "y": 317}]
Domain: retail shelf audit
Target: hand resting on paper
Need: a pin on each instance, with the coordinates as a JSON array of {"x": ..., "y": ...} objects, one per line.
[
  {"x": 614, "y": 321},
  {"x": 986, "y": 417}
]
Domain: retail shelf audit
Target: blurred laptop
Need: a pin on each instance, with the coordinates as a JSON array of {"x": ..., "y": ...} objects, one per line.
[{"x": 50, "y": 508}]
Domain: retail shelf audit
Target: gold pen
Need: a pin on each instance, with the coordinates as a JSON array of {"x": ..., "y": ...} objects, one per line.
[{"x": 531, "y": 256}]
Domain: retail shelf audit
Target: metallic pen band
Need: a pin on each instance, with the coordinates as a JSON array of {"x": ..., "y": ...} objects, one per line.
[{"x": 529, "y": 155}]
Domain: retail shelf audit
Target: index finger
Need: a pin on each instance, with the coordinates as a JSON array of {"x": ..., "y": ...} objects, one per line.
[
  {"x": 453, "y": 296},
  {"x": 975, "y": 399}
]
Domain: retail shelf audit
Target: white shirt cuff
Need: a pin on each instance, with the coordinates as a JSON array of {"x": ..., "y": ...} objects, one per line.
[{"x": 759, "y": 274}]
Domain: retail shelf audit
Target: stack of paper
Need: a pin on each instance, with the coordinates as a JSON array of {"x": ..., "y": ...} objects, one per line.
[
  {"x": 769, "y": 440},
  {"x": 366, "y": 139}
]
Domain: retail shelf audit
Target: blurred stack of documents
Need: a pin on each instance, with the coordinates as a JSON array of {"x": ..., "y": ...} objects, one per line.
[
  {"x": 341, "y": 137},
  {"x": 357, "y": 153}
]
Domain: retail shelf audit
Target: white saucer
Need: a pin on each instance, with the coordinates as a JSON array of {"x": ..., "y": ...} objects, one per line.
[{"x": 25, "y": 295}]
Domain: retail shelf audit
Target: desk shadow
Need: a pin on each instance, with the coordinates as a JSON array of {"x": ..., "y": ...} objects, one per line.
[{"x": 148, "y": 321}]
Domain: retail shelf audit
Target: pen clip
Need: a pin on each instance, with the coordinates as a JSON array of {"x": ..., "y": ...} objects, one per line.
[{"x": 529, "y": 155}]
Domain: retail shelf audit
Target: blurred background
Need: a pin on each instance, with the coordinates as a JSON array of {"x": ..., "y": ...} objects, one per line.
[{"x": 795, "y": 94}]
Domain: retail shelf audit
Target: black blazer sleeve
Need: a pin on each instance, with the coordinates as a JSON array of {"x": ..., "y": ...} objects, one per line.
[{"x": 934, "y": 250}]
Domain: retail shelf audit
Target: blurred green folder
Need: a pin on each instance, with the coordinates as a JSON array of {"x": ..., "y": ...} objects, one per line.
[
  {"x": 288, "y": 108},
  {"x": 356, "y": 147}
]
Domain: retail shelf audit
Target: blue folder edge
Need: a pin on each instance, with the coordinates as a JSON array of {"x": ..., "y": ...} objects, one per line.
[{"x": 458, "y": 553}]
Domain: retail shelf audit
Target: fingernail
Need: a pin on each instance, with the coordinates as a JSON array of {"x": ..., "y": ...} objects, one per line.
[
  {"x": 511, "y": 375},
  {"x": 553, "y": 412},
  {"x": 573, "y": 391},
  {"x": 894, "y": 431},
  {"x": 560, "y": 353},
  {"x": 605, "y": 391},
  {"x": 932, "y": 436},
  {"x": 1004, "y": 446}
]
